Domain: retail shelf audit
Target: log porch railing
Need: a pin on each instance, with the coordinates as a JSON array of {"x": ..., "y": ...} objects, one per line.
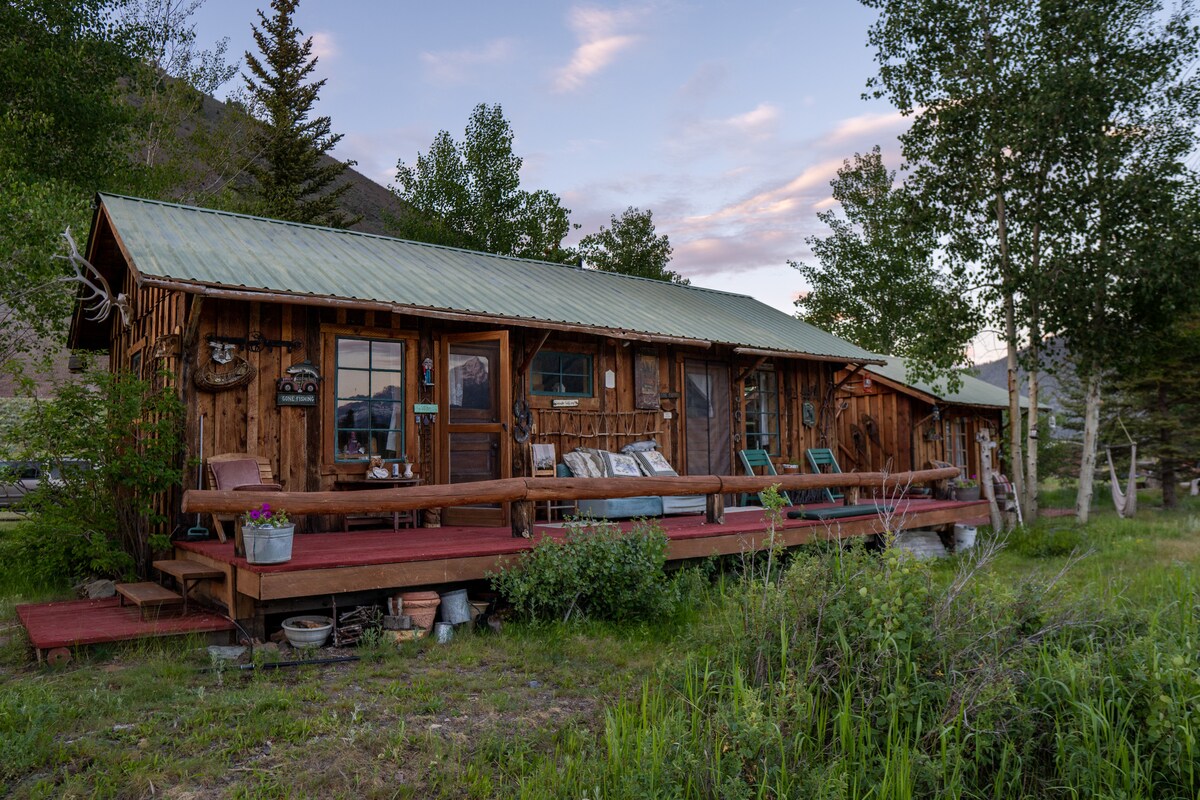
[{"x": 526, "y": 491}]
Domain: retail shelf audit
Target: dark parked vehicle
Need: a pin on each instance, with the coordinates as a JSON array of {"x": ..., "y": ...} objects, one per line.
[{"x": 17, "y": 479}]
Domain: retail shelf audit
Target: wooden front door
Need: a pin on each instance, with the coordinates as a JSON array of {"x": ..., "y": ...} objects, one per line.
[{"x": 477, "y": 395}]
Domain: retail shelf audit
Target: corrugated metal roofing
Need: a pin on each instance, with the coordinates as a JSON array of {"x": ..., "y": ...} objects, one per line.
[
  {"x": 973, "y": 392},
  {"x": 231, "y": 250}
]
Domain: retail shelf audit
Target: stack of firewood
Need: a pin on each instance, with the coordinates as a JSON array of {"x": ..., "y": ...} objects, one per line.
[{"x": 351, "y": 625}]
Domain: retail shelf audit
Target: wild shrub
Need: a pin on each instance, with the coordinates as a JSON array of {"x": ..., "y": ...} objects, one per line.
[
  {"x": 596, "y": 571},
  {"x": 113, "y": 445}
]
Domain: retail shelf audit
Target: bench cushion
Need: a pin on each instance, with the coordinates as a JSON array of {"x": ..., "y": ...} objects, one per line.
[{"x": 838, "y": 512}]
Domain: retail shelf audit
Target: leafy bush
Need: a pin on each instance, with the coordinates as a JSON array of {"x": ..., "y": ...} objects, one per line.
[
  {"x": 596, "y": 571},
  {"x": 113, "y": 443}
]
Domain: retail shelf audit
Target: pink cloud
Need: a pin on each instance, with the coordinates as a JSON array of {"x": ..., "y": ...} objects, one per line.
[{"x": 601, "y": 39}]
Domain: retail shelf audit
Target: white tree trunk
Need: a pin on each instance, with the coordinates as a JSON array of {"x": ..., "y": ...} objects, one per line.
[
  {"x": 1091, "y": 432},
  {"x": 1030, "y": 500},
  {"x": 1015, "y": 460}
]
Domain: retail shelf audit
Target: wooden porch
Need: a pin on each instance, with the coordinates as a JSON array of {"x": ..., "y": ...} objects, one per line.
[{"x": 364, "y": 561}]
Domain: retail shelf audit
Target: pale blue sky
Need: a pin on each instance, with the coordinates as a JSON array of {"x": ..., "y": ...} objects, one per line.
[{"x": 727, "y": 119}]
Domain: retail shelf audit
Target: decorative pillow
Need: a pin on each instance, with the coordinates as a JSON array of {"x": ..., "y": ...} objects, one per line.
[
  {"x": 582, "y": 465},
  {"x": 620, "y": 465},
  {"x": 648, "y": 444},
  {"x": 655, "y": 464}
]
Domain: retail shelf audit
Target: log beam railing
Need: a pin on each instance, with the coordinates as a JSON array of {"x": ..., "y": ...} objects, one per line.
[{"x": 534, "y": 490}]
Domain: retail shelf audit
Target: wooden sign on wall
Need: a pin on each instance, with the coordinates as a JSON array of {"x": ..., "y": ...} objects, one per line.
[{"x": 645, "y": 379}]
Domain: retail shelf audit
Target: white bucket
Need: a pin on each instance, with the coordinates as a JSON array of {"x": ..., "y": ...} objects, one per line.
[
  {"x": 964, "y": 537},
  {"x": 268, "y": 545}
]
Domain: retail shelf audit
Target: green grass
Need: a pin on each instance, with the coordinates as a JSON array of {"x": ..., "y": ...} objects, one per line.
[{"x": 736, "y": 700}]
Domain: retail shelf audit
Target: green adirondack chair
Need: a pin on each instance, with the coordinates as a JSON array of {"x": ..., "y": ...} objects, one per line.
[
  {"x": 754, "y": 460},
  {"x": 822, "y": 461}
]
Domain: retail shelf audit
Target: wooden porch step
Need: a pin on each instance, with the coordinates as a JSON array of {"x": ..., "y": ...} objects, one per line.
[
  {"x": 147, "y": 594},
  {"x": 187, "y": 574},
  {"x": 183, "y": 569}
]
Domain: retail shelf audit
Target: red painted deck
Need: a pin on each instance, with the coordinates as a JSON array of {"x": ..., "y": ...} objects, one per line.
[
  {"x": 366, "y": 560},
  {"x": 359, "y": 548},
  {"x": 371, "y": 547},
  {"x": 79, "y": 622}
]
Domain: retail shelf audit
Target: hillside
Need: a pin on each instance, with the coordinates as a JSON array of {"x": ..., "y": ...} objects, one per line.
[
  {"x": 1050, "y": 389},
  {"x": 366, "y": 198}
]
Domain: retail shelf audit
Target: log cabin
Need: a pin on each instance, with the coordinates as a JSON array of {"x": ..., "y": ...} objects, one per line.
[
  {"x": 319, "y": 348},
  {"x": 316, "y": 350},
  {"x": 889, "y": 421}
]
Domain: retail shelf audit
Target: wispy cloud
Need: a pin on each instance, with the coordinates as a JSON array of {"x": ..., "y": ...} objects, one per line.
[
  {"x": 866, "y": 126},
  {"x": 602, "y": 33},
  {"x": 323, "y": 46},
  {"x": 458, "y": 66},
  {"x": 733, "y": 133}
]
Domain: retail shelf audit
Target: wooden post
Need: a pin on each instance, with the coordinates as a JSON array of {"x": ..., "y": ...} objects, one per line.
[
  {"x": 714, "y": 509},
  {"x": 522, "y": 519}
]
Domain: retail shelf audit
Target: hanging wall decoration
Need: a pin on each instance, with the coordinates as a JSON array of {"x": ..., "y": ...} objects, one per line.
[
  {"x": 210, "y": 375},
  {"x": 299, "y": 386},
  {"x": 645, "y": 380}
]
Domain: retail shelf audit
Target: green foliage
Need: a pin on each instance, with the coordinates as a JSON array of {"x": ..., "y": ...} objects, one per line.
[
  {"x": 290, "y": 180},
  {"x": 631, "y": 247},
  {"x": 1047, "y": 540},
  {"x": 60, "y": 64},
  {"x": 468, "y": 195},
  {"x": 596, "y": 572},
  {"x": 114, "y": 445},
  {"x": 876, "y": 282}
]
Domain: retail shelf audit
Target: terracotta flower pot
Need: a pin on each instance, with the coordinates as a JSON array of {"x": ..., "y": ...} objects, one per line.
[{"x": 422, "y": 607}]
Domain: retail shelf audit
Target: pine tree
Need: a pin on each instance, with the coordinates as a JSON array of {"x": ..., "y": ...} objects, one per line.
[{"x": 290, "y": 180}]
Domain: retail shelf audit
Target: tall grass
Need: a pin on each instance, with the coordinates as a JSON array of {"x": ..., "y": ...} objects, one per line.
[{"x": 865, "y": 676}]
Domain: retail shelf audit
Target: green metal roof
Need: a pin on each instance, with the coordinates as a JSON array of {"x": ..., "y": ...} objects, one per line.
[
  {"x": 215, "y": 248},
  {"x": 973, "y": 391}
]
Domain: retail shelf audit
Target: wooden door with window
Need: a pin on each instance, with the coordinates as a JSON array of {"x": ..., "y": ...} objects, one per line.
[{"x": 476, "y": 394}]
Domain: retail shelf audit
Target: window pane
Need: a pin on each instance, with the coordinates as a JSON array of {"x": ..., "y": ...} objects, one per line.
[
  {"x": 353, "y": 383},
  {"x": 387, "y": 355},
  {"x": 352, "y": 414},
  {"x": 352, "y": 445},
  {"x": 575, "y": 365},
  {"x": 353, "y": 353},
  {"x": 386, "y": 385},
  {"x": 546, "y": 362},
  {"x": 574, "y": 384}
]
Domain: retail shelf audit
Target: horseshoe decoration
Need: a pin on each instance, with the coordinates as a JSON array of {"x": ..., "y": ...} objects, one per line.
[
  {"x": 208, "y": 379},
  {"x": 522, "y": 421}
]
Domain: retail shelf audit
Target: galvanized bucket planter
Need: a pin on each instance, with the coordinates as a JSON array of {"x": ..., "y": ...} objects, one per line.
[{"x": 268, "y": 545}]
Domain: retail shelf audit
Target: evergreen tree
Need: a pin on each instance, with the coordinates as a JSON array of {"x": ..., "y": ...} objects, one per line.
[
  {"x": 631, "y": 246},
  {"x": 290, "y": 179}
]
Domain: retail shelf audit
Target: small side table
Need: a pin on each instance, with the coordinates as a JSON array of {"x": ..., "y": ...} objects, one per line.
[{"x": 359, "y": 484}]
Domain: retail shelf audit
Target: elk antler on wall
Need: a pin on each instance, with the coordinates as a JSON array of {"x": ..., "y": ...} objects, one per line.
[{"x": 99, "y": 301}]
